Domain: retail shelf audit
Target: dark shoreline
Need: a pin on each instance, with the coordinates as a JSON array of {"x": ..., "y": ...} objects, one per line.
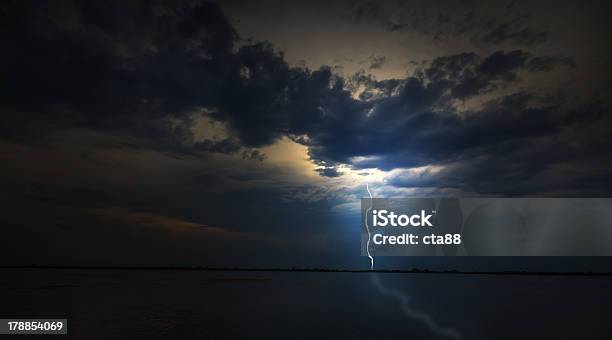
[{"x": 314, "y": 270}]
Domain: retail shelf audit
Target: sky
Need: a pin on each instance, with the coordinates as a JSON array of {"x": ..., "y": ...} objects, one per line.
[{"x": 243, "y": 133}]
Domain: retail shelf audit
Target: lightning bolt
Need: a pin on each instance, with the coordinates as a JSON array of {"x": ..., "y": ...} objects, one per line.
[
  {"x": 412, "y": 313},
  {"x": 402, "y": 298},
  {"x": 368, "y": 228}
]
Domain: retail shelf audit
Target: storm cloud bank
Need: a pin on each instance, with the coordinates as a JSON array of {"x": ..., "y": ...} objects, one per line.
[{"x": 151, "y": 69}]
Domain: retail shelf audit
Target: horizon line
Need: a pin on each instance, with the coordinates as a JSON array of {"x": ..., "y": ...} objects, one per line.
[{"x": 312, "y": 270}]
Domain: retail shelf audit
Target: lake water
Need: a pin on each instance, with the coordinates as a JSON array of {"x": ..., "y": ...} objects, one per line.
[{"x": 103, "y": 304}]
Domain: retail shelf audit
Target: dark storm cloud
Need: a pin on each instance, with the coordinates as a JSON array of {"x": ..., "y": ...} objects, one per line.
[
  {"x": 513, "y": 143},
  {"x": 375, "y": 62},
  {"x": 467, "y": 75},
  {"x": 412, "y": 123},
  {"x": 519, "y": 143},
  {"x": 144, "y": 69},
  {"x": 417, "y": 125},
  {"x": 114, "y": 66},
  {"x": 273, "y": 100},
  {"x": 253, "y": 155},
  {"x": 444, "y": 20},
  {"x": 547, "y": 63},
  {"x": 329, "y": 172},
  {"x": 509, "y": 31}
]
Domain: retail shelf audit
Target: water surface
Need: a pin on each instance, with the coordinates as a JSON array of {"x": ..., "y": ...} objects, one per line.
[{"x": 142, "y": 304}]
